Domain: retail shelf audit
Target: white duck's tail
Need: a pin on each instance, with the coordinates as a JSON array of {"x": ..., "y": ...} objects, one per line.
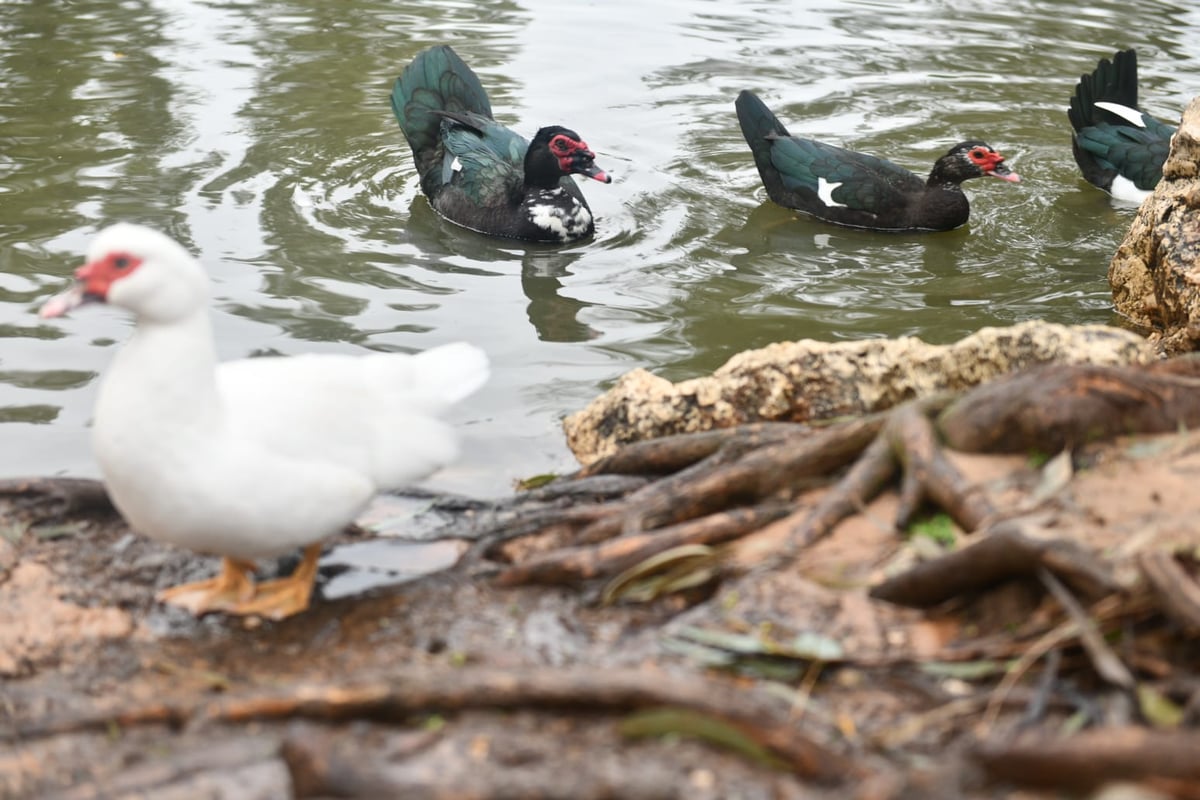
[
  {"x": 409, "y": 442},
  {"x": 452, "y": 371}
]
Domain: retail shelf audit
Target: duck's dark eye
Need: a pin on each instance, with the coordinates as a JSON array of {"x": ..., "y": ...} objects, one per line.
[{"x": 121, "y": 262}]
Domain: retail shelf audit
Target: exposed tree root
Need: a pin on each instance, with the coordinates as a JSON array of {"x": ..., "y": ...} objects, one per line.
[
  {"x": 319, "y": 768},
  {"x": 1007, "y": 552},
  {"x": 1090, "y": 759},
  {"x": 1049, "y": 408},
  {"x": 725, "y": 485},
  {"x": 753, "y": 714},
  {"x": 673, "y": 453},
  {"x": 573, "y": 564},
  {"x": 928, "y": 473}
]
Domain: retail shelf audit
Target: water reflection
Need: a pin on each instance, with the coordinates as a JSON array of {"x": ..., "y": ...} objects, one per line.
[
  {"x": 260, "y": 134},
  {"x": 553, "y": 315}
]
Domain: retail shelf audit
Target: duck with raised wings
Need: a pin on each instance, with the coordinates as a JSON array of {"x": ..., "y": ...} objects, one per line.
[
  {"x": 478, "y": 173},
  {"x": 251, "y": 458}
]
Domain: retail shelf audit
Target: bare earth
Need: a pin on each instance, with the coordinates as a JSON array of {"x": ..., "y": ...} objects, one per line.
[{"x": 448, "y": 686}]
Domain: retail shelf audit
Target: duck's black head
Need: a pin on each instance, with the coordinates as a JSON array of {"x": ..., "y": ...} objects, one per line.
[
  {"x": 556, "y": 151},
  {"x": 973, "y": 159}
]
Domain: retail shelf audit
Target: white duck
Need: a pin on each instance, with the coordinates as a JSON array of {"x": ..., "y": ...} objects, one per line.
[{"x": 249, "y": 458}]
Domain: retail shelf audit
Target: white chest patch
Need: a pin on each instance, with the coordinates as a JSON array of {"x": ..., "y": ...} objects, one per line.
[
  {"x": 547, "y": 211},
  {"x": 825, "y": 193},
  {"x": 1124, "y": 189}
]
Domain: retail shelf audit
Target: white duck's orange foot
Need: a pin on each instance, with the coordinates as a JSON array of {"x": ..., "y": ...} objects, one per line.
[
  {"x": 231, "y": 586},
  {"x": 281, "y": 598}
]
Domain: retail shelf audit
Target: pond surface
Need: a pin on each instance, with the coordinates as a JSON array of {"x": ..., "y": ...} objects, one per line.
[{"x": 260, "y": 134}]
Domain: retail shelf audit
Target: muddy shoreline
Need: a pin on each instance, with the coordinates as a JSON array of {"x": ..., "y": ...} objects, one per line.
[{"x": 107, "y": 694}]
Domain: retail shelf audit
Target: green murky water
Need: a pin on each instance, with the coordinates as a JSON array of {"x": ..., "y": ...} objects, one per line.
[{"x": 260, "y": 134}]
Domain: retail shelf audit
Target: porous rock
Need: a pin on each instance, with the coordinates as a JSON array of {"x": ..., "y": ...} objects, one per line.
[
  {"x": 810, "y": 380},
  {"x": 1155, "y": 273}
]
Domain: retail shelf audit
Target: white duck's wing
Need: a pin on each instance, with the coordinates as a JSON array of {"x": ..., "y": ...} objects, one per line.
[{"x": 375, "y": 414}]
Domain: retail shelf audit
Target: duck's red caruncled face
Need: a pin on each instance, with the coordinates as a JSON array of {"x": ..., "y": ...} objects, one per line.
[
  {"x": 92, "y": 283},
  {"x": 98, "y": 276},
  {"x": 574, "y": 156}
]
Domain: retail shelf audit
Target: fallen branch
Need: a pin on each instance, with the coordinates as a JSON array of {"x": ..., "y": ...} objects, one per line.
[
  {"x": 1176, "y": 590},
  {"x": 1108, "y": 666}
]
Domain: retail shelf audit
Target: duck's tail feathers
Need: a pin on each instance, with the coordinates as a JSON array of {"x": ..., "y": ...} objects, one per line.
[
  {"x": 761, "y": 127},
  {"x": 1112, "y": 81}
]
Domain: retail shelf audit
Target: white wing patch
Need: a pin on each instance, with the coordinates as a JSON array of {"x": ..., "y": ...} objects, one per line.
[
  {"x": 1130, "y": 115},
  {"x": 825, "y": 193},
  {"x": 456, "y": 165}
]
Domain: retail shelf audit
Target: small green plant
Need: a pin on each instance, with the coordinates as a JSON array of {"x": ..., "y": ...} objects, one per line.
[
  {"x": 938, "y": 527},
  {"x": 535, "y": 481}
]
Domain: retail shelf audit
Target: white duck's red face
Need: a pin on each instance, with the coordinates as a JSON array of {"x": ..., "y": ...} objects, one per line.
[
  {"x": 98, "y": 277},
  {"x": 138, "y": 269},
  {"x": 92, "y": 283}
]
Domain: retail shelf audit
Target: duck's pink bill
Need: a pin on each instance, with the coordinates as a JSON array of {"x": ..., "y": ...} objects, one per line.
[{"x": 60, "y": 304}]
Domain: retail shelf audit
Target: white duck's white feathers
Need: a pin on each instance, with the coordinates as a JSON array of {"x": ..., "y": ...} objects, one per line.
[{"x": 255, "y": 457}]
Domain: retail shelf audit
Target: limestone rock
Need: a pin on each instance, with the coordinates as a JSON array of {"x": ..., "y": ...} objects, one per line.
[
  {"x": 1155, "y": 273},
  {"x": 807, "y": 380}
]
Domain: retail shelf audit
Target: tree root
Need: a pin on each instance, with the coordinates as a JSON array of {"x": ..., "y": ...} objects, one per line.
[
  {"x": 753, "y": 714},
  {"x": 717, "y": 486},
  {"x": 1007, "y": 552},
  {"x": 928, "y": 473},
  {"x": 672, "y": 453},
  {"x": 1090, "y": 759},
  {"x": 739, "y": 473},
  {"x": 320, "y": 768},
  {"x": 573, "y": 564}
]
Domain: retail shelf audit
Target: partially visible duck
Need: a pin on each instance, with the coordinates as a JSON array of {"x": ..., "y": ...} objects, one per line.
[
  {"x": 251, "y": 458},
  {"x": 860, "y": 190},
  {"x": 1117, "y": 147},
  {"x": 480, "y": 174}
]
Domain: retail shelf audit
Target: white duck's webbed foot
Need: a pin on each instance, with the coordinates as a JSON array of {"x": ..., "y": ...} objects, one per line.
[
  {"x": 281, "y": 598},
  {"x": 232, "y": 586}
]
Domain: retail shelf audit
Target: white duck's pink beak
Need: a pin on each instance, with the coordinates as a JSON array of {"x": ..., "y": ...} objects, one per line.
[
  {"x": 61, "y": 303},
  {"x": 92, "y": 282}
]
